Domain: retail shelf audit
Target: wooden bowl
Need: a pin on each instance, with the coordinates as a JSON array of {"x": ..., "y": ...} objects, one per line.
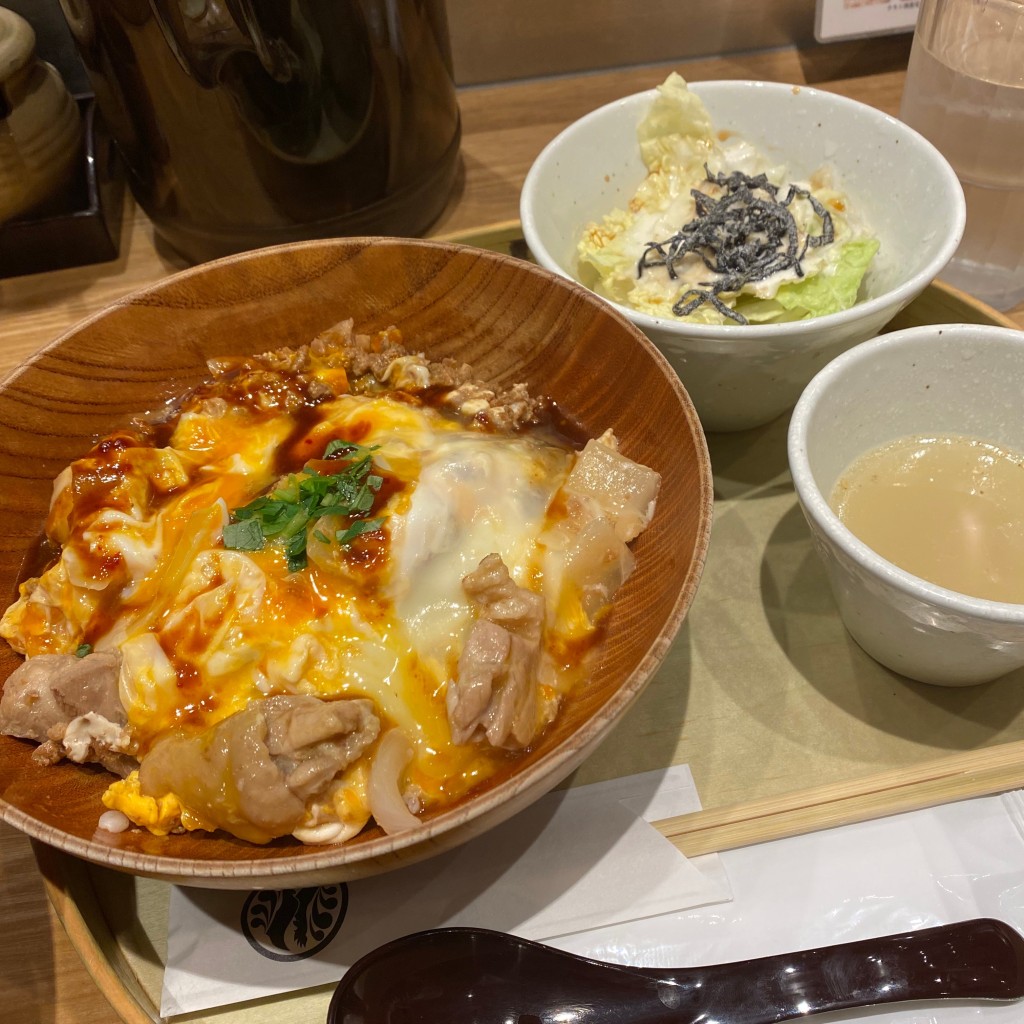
[{"x": 512, "y": 322}]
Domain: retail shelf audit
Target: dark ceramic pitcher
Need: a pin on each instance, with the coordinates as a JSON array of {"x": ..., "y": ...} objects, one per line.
[{"x": 245, "y": 123}]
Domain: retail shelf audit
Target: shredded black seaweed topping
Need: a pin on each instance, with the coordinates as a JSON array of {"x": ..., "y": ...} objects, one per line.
[{"x": 747, "y": 235}]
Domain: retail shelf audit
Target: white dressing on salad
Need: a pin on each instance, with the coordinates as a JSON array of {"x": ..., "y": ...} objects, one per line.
[{"x": 665, "y": 253}]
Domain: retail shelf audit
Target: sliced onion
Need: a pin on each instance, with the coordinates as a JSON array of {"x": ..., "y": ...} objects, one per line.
[
  {"x": 326, "y": 554},
  {"x": 328, "y": 832},
  {"x": 624, "y": 490},
  {"x": 113, "y": 821},
  {"x": 598, "y": 564},
  {"x": 384, "y": 790},
  {"x": 64, "y": 478}
]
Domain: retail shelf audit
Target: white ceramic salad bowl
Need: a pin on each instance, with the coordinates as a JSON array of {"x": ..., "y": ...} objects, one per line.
[{"x": 895, "y": 182}]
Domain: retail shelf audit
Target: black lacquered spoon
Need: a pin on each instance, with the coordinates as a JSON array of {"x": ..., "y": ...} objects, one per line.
[{"x": 474, "y": 976}]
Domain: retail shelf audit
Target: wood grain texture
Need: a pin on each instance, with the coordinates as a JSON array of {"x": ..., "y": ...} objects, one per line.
[
  {"x": 42, "y": 979},
  {"x": 959, "y": 777},
  {"x": 494, "y": 41},
  {"x": 501, "y": 42},
  {"x": 66, "y": 882},
  {"x": 744, "y": 744},
  {"x": 509, "y": 320},
  {"x": 83, "y": 895}
]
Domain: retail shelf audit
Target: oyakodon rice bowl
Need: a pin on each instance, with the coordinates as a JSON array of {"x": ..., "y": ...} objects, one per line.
[{"x": 393, "y": 440}]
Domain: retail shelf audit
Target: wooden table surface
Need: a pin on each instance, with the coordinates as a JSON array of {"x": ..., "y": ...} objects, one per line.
[{"x": 41, "y": 977}]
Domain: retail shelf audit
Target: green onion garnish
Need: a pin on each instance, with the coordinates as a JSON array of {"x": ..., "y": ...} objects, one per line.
[{"x": 286, "y": 513}]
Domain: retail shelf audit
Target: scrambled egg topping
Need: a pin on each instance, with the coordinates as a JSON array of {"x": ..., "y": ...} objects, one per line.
[{"x": 203, "y": 629}]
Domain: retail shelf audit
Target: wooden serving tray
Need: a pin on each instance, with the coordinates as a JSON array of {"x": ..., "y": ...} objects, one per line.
[{"x": 787, "y": 725}]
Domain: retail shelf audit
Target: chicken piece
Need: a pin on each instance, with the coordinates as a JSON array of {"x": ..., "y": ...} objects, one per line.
[
  {"x": 384, "y": 356},
  {"x": 254, "y": 773},
  {"x": 496, "y": 687},
  {"x": 481, "y": 662},
  {"x": 70, "y": 705},
  {"x": 506, "y": 411}
]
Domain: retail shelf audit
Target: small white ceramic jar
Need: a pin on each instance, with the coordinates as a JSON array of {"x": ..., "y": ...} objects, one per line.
[
  {"x": 40, "y": 125},
  {"x": 952, "y": 379}
]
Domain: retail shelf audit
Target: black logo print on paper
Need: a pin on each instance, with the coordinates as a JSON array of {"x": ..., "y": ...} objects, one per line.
[{"x": 292, "y": 924}]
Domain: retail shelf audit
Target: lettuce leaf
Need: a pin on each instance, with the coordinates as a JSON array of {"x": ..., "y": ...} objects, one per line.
[
  {"x": 829, "y": 291},
  {"x": 675, "y": 140},
  {"x": 677, "y": 143},
  {"x": 677, "y": 128}
]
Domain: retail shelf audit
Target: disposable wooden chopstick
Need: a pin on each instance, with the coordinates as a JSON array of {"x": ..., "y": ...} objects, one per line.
[{"x": 955, "y": 777}]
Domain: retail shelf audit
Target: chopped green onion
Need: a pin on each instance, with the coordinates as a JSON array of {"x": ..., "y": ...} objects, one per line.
[
  {"x": 357, "y": 529},
  {"x": 244, "y": 536},
  {"x": 287, "y": 513}
]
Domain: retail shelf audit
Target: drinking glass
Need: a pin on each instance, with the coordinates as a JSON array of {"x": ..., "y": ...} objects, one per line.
[{"x": 965, "y": 92}]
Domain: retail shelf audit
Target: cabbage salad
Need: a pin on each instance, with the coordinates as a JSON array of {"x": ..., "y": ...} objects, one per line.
[{"x": 718, "y": 234}]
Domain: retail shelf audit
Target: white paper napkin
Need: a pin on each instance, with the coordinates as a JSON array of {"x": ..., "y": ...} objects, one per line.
[
  {"x": 579, "y": 859},
  {"x": 895, "y": 874}
]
